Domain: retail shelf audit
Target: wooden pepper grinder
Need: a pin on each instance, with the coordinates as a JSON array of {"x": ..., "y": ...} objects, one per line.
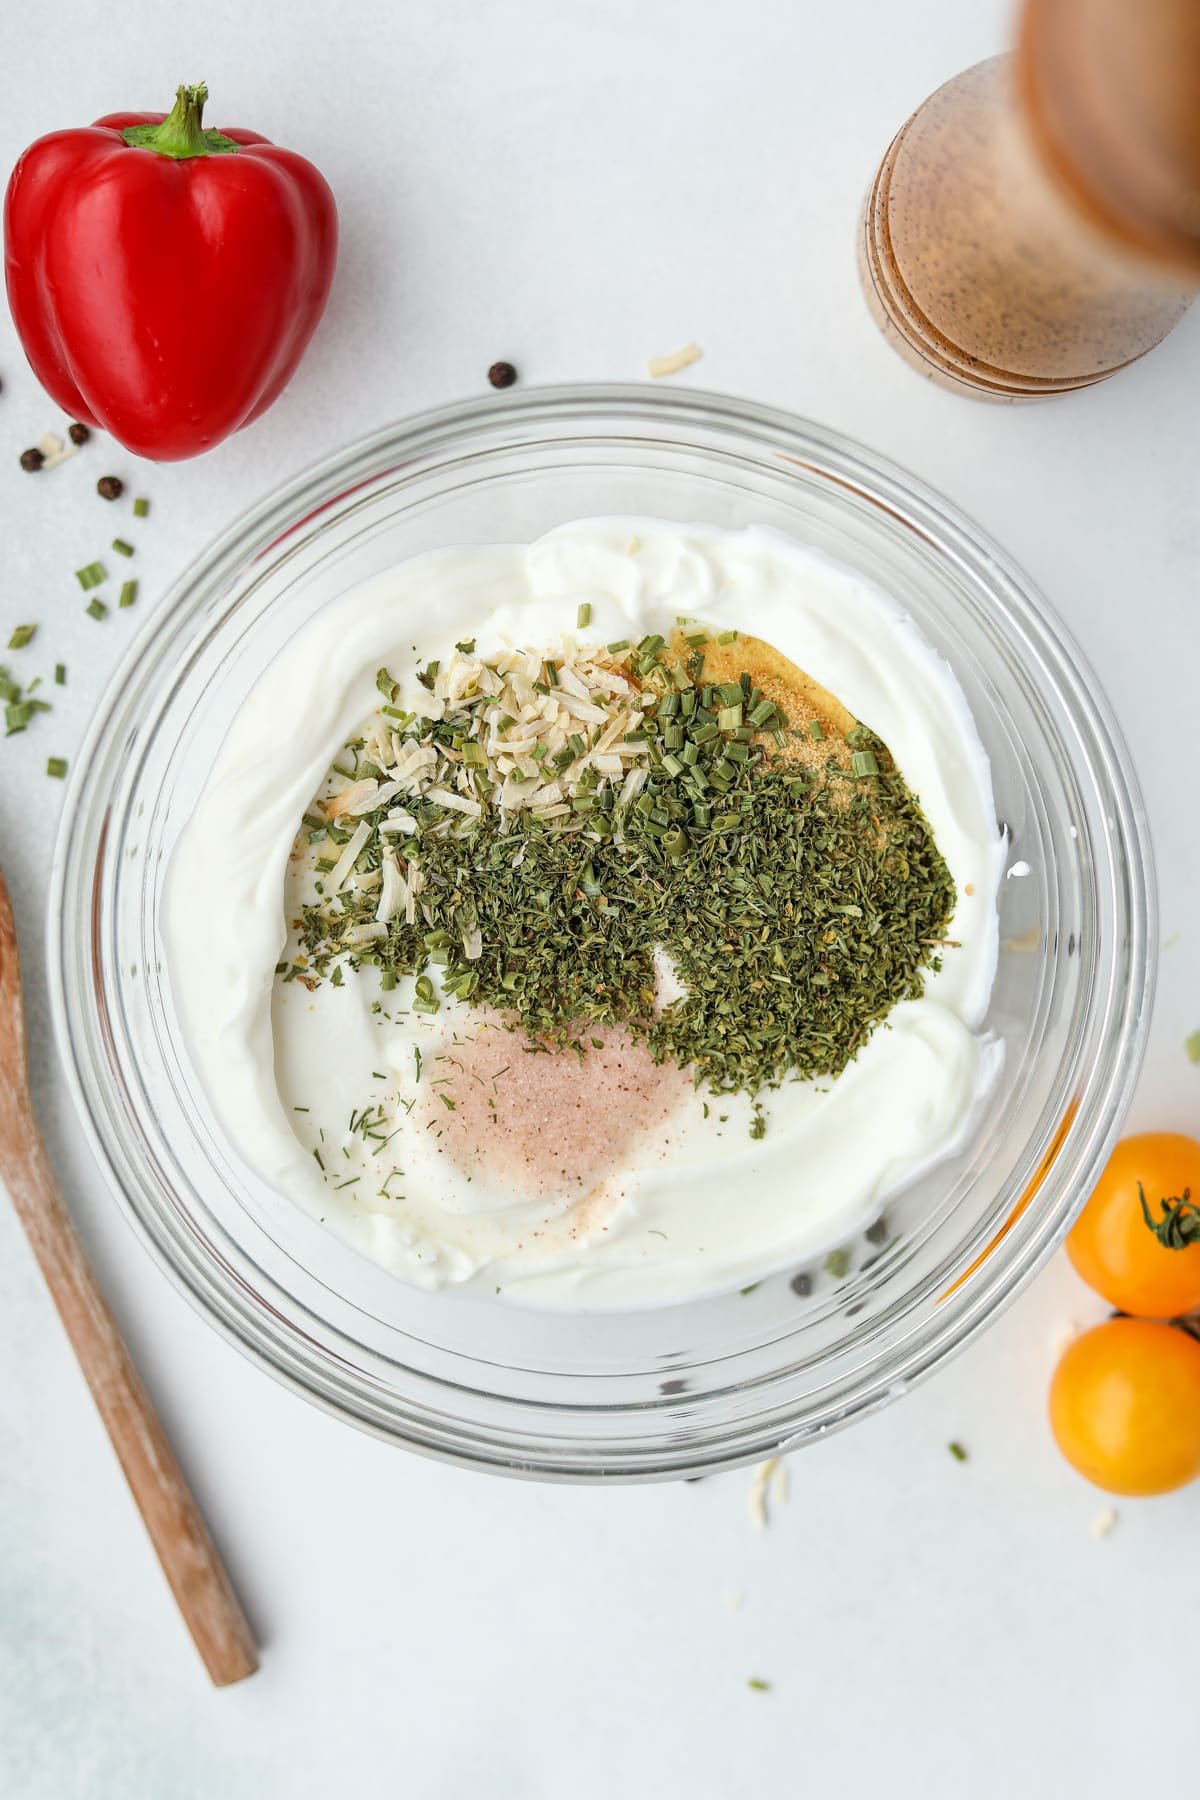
[{"x": 1035, "y": 226}]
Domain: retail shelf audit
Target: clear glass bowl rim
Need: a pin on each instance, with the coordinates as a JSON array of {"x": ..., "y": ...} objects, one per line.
[{"x": 591, "y": 407}]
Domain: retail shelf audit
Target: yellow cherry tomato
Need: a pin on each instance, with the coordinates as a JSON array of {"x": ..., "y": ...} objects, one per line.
[
  {"x": 1114, "y": 1248},
  {"x": 1125, "y": 1406}
]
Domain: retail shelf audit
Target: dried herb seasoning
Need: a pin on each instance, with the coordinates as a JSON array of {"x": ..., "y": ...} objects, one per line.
[{"x": 788, "y": 877}]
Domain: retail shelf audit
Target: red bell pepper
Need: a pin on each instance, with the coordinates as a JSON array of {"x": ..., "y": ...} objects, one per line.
[{"x": 165, "y": 279}]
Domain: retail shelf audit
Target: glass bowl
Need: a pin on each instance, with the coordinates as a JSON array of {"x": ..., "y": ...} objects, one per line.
[{"x": 661, "y": 1392}]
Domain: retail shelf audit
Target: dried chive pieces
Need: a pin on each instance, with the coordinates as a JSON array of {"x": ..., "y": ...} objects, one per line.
[
  {"x": 22, "y": 635},
  {"x": 121, "y": 547},
  {"x": 141, "y": 507},
  {"x": 56, "y": 766},
  {"x": 60, "y": 674},
  {"x": 96, "y": 609},
  {"x": 583, "y": 616},
  {"x": 957, "y": 1451},
  {"x": 128, "y": 593},
  {"x": 91, "y": 575}
]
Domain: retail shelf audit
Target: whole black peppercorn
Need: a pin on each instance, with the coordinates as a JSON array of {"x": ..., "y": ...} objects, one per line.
[
  {"x": 78, "y": 434},
  {"x": 502, "y": 374},
  {"x": 877, "y": 1233},
  {"x": 109, "y": 487},
  {"x": 802, "y": 1285},
  {"x": 31, "y": 460}
]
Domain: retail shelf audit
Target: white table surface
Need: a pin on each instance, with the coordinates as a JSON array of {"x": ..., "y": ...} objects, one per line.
[{"x": 576, "y": 184}]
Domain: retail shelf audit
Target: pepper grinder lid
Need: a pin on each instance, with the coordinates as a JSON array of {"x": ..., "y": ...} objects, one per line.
[{"x": 1111, "y": 93}]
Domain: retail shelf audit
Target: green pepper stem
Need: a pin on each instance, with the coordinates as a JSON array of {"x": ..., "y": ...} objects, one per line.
[{"x": 181, "y": 135}]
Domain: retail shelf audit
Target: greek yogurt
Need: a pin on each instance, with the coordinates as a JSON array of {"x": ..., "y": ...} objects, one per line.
[{"x": 332, "y": 1095}]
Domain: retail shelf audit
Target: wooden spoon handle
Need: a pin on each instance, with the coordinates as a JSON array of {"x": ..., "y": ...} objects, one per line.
[{"x": 190, "y": 1562}]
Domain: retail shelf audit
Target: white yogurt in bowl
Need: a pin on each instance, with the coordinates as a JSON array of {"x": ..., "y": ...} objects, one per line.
[{"x": 693, "y": 1203}]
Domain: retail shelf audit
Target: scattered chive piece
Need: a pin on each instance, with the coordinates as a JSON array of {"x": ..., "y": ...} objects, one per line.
[
  {"x": 60, "y": 674},
  {"x": 141, "y": 507},
  {"x": 1191, "y": 1045},
  {"x": 816, "y": 731},
  {"x": 91, "y": 575},
  {"x": 837, "y": 1263},
  {"x": 552, "y": 673},
  {"x": 121, "y": 547},
  {"x": 21, "y": 636},
  {"x": 621, "y": 644},
  {"x": 425, "y": 996},
  {"x": 863, "y": 763},
  {"x": 727, "y": 637},
  {"x": 56, "y": 766},
  {"x": 957, "y": 1452},
  {"x": 758, "y": 1686},
  {"x": 584, "y": 616},
  {"x": 97, "y": 609},
  {"x": 128, "y": 593},
  {"x": 695, "y": 638}
]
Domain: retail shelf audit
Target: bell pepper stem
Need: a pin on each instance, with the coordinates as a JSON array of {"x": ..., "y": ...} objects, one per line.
[{"x": 181, "y": 135}]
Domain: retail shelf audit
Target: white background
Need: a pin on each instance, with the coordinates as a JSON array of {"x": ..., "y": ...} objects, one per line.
[{"x": 575, "y": 184}]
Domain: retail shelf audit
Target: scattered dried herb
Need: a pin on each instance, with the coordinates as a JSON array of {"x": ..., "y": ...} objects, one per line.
[{"x": 956, "y": 1450}]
